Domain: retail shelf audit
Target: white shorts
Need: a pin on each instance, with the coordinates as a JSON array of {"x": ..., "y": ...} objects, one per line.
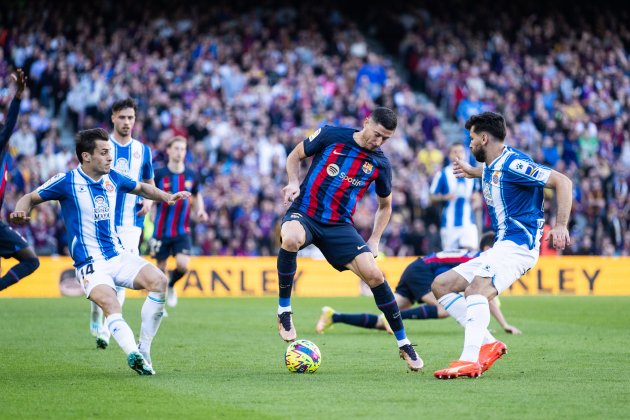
[
  {"x": 130, "y": 238},
  {"x": 121, "y": 271},
  {"x": 460, "y": 237},
  {"x": 505, "y": 263}
]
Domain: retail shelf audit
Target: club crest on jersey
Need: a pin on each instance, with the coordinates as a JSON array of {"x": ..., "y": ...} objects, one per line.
[
  {"x": 367, "y": 167},
  {"x": 496, "y": 175},
  {"x": 122, "y": 166},
  {"x": 188, "y": 184},
  {"x": 101, "y": 208},
  {"x": 109, "y": 187}
]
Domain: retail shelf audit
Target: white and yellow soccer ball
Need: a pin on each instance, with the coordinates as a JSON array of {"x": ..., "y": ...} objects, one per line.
[{"x": 302, "y": 356}]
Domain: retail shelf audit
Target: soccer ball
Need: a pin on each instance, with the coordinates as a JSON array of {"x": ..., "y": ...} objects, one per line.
[{"x": 302, "y": 356}]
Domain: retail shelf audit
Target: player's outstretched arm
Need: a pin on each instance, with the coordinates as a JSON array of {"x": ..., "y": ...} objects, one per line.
[
  {"x": 463, "y": 169},
  {"x": 20, "y": 216},
  {"x": 14, "y": 108},
  {"x": 498, "y": 315},
  {"x": 564, "y": 196},
  {"x": 153, "y": 193}
]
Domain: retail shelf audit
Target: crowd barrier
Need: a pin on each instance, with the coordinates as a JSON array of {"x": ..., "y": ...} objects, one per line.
[{"x": 256, "y": 276}]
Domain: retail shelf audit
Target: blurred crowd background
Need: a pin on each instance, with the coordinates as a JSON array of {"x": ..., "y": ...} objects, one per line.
[{"x": 245, "y": 82}]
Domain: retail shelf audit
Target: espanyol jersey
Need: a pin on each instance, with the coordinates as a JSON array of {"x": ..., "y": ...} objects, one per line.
[
  {"x": 171, "y": 221},
  {"x": 339, "y": 175},
  {"x": 132, "y": 160},
  {"x": 458, "y": 211},
  {"x": 89, "y": 209},
  {"x": 513, "y": 189}
]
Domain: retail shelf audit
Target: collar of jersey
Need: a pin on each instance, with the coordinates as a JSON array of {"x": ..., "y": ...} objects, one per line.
[
  {"x": 505, "y": 150},
  {"x": 87, "y": 177},
  {"x": 111, "y": 137}
]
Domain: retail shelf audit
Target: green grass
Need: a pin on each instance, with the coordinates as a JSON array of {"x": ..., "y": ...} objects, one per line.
[{"x": 222, "y": 358}]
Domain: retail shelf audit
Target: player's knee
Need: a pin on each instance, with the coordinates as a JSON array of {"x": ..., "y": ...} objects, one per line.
[
  {"x": 440, "y": 286},
  {"x": 292, "y": 242},
  {"x": 157, "y": 282},
  {"x": 373, "y": 277},
  {"x": 31, "y": 264}
]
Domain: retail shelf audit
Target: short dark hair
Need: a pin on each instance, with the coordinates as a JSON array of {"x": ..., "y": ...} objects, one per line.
[
  {"x": 455, "y": 144},
  {"x": 385, "y": 117},
  {"x": 487, "y": 239},
  {"x": 490, "y": 122},
  {"x": 124, "y": 103},
  {"x": 86, "y": 140},
  {"x": 175, "y": 140}
]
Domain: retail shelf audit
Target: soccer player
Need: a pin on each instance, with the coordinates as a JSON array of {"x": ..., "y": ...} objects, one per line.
[
  {"x": 415, "y": 286},
  {"x": 89, "y": 198},
  {"x": 12, "y": 244},
  {"x": 172, "y": 230},
  {"x": 457, "y": 227},
  {"x": 512, "y": 186},
  {"x": 133, "y": 159},
  {"x": 345, "y": 163}
]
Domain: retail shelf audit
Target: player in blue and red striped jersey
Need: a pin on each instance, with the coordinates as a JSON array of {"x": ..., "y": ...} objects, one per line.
[
  {"x": 12, "y": 244},
  {"x": 345, "y": 162},
  {"x": 415, "y": 286},
  {"x": 171, "y": 235}
]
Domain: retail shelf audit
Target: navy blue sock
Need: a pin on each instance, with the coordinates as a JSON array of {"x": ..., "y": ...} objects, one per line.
[
  {"x": 287, "y": 265},
  {"x": 18, "y": 272},
  {"x": 358, "y": 320},
  {"x": 420, "y": 312},
  {"x": 386, "y": 302},
  {"x": 175, "y": 275}
]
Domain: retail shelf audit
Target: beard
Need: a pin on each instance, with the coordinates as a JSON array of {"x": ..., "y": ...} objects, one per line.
[{"x": 479, "y": 154}]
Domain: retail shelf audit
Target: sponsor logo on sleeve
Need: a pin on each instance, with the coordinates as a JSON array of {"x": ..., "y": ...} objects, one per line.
[{"x": 315, "y": 134}]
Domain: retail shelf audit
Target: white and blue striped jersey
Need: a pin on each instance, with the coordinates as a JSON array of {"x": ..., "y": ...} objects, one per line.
[
  {"x": 458, "y": 211},
  {"x": 135, "y": 161},
  {"x": 513, "y": 189},
  {"x": 89, "y": 210}
]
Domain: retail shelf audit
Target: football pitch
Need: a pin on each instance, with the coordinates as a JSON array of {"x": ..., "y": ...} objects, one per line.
[{"x": 223, "y": 358}]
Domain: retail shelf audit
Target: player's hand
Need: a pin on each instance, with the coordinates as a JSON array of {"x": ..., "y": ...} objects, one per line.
[
  {"x": 146, "y": 207},
  {"x": 511, "y": 329},
  {"x": 21, "y": 79},
  {"x": 463, "y": 169},
  {"x": 290, "y": 192},
  {"x": 202, "y": 216},
  {"x": 560, "y": 237},
  {"x": 373, "y": 245},
  {"x": 181, "y": 195},
  {"x": 19, "y": 218}
]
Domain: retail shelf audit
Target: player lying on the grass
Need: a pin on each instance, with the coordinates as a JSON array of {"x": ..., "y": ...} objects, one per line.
[
  {"x": 88, "y": 196},
  {"x": 415, "y": 286},
  {"x": 513, "y": 187}
]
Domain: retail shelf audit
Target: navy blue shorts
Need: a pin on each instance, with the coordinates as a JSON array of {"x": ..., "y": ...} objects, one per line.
[
  {"x": 415, "y": 281},
  {"x": 340, "y": 243},
  {"x": 10, "y": 241},
  {"x": 166, "y": 247}
]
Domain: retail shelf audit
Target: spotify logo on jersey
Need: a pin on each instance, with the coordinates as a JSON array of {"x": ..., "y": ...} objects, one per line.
[{"x": 332, "y": 169}]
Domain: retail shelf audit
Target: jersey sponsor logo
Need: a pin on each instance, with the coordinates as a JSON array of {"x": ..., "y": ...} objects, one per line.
[
  {"x": 529, "y": 168},
  {"x": 315, "y": 134},
  {"x": 122, "y": 166},
  {"x": 487, "y": 193},
  {"x": 101, "y": 209},
  {"x": 339, "y": 154},
  {"x": 361, "y": 247},
  {"x": 109, "y": 187},
  {"x": 295, "y": 215},
  {"x": 367, "y": 167},
  {"x": 82, "y": 188},
  {"x": 332, "y": 169}
]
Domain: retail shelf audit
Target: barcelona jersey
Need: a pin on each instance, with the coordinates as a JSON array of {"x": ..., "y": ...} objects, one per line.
[
  {"x": 172, "y": 221},
  {"x": 5, "y": 135},
  {"x": 340, "y": 174}
]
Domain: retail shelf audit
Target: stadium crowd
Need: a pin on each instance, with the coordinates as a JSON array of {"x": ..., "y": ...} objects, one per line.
[{"x": 244, "y": 85}]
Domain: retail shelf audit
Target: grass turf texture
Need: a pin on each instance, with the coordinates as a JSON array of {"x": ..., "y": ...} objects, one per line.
[{"x": 224, "y": 358}]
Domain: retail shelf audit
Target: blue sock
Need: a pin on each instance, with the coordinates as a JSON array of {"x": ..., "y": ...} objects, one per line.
[
  {"x": 420, "y": 312},
  {"x": 287, "y": 265},
  {"x": 358, "y": 320},
  {"x": 386, "y": 302},
  {"x": 18, "y": 272}
]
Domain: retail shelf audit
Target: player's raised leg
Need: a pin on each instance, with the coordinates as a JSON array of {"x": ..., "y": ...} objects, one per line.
[
  {"x": 365, "y": 267},
  {"x": 28, "y": 262},
  {"x": 293, "y": 237}
]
